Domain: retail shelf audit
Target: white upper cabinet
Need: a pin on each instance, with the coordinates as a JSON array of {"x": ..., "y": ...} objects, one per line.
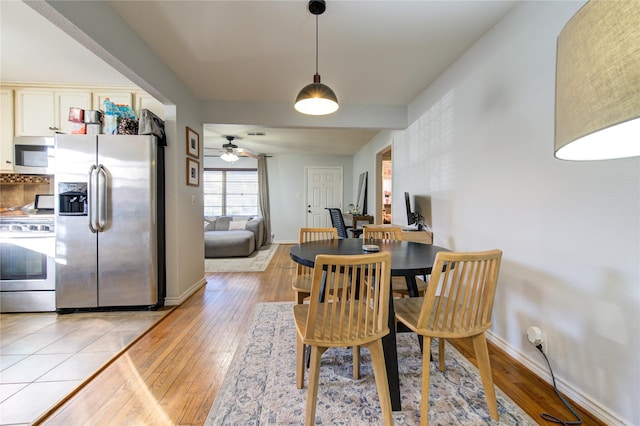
[
  {"x": 66, "y": 100},
  {"x": 6, "y": 131},
  {"x": 118, "y": 98},
  {"x": 146, "y": 101},
  {"x": 34, "y": 113},
  {"x": 42, "y": 112}
]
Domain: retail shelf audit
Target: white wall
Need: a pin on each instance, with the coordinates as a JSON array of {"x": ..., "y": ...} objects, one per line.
[
  {"x": 480, "y": 145},
  {"x": 287, "y": 190}
]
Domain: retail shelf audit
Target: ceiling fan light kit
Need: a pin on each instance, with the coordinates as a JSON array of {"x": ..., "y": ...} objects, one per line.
[
  {"x": 229, "y": 155},
  {"x": 316, "y": 98}
]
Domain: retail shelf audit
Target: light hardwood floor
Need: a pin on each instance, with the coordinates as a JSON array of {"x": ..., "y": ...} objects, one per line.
[{"x": 172, "y": 375}]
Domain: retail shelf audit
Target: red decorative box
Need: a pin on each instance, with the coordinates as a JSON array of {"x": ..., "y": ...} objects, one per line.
[{"x": 76, "y": 115}]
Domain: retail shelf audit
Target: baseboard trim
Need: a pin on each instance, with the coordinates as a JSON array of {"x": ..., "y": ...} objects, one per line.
[
  {"x": 175, "y": 301},
  {"x": 541, "y": 371}
]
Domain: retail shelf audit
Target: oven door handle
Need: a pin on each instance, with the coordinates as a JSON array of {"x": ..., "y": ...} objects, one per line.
[
  {"x": 91, "y": 198},
  {"x": 102, "y": 198}
]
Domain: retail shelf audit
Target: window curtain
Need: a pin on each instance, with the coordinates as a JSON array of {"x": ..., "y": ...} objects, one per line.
[{"x": 263, "y": 198}]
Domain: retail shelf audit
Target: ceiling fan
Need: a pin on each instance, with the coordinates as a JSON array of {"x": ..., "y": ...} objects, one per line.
[{"x": 230, "y": 151}]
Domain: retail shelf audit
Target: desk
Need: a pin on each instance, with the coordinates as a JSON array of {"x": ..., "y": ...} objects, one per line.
[
  {"x": 352, "y": 221},
  {"x": 424, "y": 237},
  {"x": 408, "y": 259}
]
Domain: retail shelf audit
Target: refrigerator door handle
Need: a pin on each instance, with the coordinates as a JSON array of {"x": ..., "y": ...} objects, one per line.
[
  {"x": 102, "y": 198},
  {"x": 91, "y": 199}
]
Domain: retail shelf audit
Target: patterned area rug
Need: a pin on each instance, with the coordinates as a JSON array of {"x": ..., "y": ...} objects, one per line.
[
  {"x": 256, "y": 262},
  {"x": 260, "y": 387}
]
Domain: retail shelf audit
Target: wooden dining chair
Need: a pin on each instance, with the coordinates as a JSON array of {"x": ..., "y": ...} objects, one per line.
[
  {"x": 356, "y": 318},
  {"x": 382, "y": 232},
  {"x": 301, "y": 283},
  {"x": 393, "y": 233},
  {"x": 458, "y": 304}
]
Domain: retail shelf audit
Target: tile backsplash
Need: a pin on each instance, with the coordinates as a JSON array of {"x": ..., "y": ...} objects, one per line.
[{"x": 19, "y": 190}]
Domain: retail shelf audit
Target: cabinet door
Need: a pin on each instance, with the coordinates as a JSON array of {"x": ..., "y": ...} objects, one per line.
[
  {"x": 146, "y": 101},
  {"x": 123, "y": 98},
  {"x": 6, "y": 130},
  {"x": 35, "y": 113},
  {"x": 66, "y": 100}
]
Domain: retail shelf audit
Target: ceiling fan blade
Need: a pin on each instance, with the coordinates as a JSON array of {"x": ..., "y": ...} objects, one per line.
[{"x": 247, "y": 152}]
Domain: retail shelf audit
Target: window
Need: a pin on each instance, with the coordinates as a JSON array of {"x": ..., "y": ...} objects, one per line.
[{"x": 230, "y": 192}]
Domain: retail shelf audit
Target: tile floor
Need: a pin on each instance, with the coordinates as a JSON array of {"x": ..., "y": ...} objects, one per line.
[{"x": 45, "y": 356}]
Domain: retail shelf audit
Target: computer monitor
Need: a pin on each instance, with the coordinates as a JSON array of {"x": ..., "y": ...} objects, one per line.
[{"x": 407, "y": 202}]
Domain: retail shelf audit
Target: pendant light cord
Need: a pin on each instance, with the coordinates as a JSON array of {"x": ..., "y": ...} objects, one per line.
[{"x": 316, "y": 44}]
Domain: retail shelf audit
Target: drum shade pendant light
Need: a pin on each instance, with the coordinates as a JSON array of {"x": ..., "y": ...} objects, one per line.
[
  {"x": 598, "y": 83},
  {"x": 316, "y": 98}
]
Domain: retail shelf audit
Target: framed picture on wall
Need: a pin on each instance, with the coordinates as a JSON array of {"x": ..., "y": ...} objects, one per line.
[
  {"x": 193, "y": 143},
  {"x": 193, "y": 172}
]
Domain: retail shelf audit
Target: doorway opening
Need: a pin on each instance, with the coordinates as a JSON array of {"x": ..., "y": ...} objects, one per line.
[{"x": 384, "y": 184}]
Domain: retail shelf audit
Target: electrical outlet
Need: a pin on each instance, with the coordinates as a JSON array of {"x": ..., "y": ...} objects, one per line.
[{"x": 535, "y": 336}]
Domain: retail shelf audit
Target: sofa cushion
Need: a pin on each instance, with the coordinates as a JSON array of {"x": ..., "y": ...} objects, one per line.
[
  {"x": 237, "y": 225},
  {"x": 210, "y": 223}
]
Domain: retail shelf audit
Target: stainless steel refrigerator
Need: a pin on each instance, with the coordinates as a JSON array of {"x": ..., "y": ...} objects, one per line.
[{"x": 109, "y": 225}]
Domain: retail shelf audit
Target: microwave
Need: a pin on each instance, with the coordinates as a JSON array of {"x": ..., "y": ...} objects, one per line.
[{"x": 33, "y": 155}]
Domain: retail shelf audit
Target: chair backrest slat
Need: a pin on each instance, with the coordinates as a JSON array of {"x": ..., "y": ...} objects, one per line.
[
  {"x": 338, "y": 221},
  {"x": 389, "y": 233},
  {"x": 357, "y": 308},
  {"x": 461, "y": 293},
  {"x": 314, "y": 234}
]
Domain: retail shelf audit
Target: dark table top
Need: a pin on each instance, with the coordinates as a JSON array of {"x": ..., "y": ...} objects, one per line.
[{"x": 407, "y": 258}]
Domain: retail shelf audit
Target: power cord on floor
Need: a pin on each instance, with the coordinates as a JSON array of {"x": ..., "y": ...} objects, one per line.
[{"x": 549, "y": 417}]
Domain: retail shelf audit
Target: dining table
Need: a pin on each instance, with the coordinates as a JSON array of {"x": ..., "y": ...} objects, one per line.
[{"x": 408, "y": 260}]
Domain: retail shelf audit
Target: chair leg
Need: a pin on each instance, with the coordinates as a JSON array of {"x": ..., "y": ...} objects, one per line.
[
  {"x": 380, "y": 374},
  {"x": 356, "y": 363},
  {"x": 312, "y": 393},
  {"x": 300, "y": 361},
  {"x": 424, "y": 400},
  {"x": 441, "y": 353},
  {"x": 300, "y": 297},
  {"x": 484, "y": 366}
]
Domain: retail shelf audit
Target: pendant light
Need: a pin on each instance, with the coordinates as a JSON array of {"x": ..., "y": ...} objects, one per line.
[
  {"x": 316, "y": 98},
  {"x": 598, "y": 83}
]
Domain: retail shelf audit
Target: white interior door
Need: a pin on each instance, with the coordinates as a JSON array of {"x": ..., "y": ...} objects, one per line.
[{"x": 324, "y": 189}]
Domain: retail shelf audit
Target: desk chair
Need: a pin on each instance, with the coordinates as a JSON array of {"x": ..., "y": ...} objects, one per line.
[
  {"x": 458, "y": 304},
  {"x": 393, "y": 233},
  {"x": 349, "y": 320},
  {"x": 301, "y": 282},
  {"x": 338, "y": 222}
]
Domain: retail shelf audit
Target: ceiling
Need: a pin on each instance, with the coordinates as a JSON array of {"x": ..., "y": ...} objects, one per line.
[{"x": 371, "y": 53}]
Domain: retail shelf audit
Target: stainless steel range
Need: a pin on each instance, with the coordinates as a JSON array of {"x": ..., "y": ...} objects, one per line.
[{"x": 27, "y": 263}]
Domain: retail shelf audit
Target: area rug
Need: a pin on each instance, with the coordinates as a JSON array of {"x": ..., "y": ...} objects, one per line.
[
  {"x": 260, "y": 386},
  {"x": 256, "y": 262}
]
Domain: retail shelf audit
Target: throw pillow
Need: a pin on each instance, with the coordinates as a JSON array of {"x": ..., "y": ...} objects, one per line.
[
  {"x": 209, "y": 223},
  {"x": 237, "y": 225}
]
